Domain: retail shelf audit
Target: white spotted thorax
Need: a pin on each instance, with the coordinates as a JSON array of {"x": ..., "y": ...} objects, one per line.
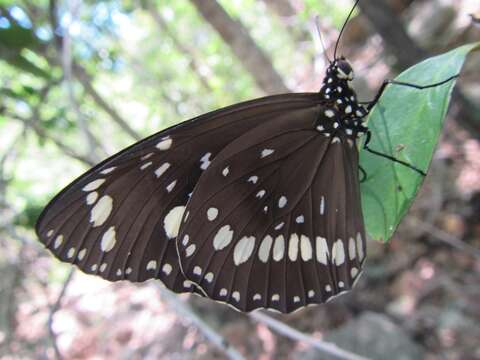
[{"x": 342, "y": 113}]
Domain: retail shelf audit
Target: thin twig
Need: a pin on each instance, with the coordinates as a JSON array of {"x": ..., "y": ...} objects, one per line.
[
  {"x": 60, "y": 144},
  {"x": 53, "y": 309},
  {"x": 446, "y": 238},
  {"x": 66, "y": 53},
  {"x": 210, "y": 333},
  {"x": 284, "y": 329},
  {"x": 84, "y": 79},
  {"x": 186, "y": 51}
]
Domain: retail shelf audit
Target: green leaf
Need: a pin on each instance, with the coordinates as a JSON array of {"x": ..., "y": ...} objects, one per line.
[{"x": 406, "y": 123}]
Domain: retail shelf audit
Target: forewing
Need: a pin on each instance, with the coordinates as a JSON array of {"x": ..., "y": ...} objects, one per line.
[
  {"x": 121, "y": 218},
  {"x": 276, "y": 221}
]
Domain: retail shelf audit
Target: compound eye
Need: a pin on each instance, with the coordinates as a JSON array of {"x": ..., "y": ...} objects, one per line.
[{"x": 344, "y": 70}]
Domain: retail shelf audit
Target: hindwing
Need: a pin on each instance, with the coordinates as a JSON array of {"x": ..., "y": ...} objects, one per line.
[{"x": 276, "y": 220}]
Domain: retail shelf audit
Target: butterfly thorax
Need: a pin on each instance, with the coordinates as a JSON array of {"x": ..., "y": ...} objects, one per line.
[{"x": 341, "y": 111}]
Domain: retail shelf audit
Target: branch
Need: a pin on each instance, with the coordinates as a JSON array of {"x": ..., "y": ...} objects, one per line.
[
  {"x": 66, "y": 52},
  {"x": 81, "y": 75},
  {"x": 285, "y": 330},
  {"x": 60, "y": 144},
  {"x": 185, "y": 311},
  {"x": 445, "y": 237},
  {"x": 84, "y": 79},
  {"x": 53, "y": 309},
  {"x": 235, "y": 35}
]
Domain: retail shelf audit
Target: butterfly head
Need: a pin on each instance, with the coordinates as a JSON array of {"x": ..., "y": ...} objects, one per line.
[{"x": 342, "y": 69}]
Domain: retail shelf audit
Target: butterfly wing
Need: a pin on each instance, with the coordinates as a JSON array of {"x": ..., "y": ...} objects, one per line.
[
  {"x": 121, "y": 218},
  {"x": 276, "y": 221}
]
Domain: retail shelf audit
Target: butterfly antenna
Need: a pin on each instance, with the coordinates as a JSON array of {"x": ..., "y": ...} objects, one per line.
[
  {"x": 343, "y": 28},
  {"x": 319, "y": 32}
]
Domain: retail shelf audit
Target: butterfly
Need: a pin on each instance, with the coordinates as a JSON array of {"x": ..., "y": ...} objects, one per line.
[{"x": 256, "y": 205}]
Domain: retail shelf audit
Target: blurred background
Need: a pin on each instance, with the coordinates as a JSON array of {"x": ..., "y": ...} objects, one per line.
[{"x": 80, "y": 80}]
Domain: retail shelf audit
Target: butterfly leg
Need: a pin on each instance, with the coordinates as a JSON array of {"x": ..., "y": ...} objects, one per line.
[
  {"x": 366, "y": 147},
  {"x": 364, "y": 174},
  {"x": 387, "y": 82}
]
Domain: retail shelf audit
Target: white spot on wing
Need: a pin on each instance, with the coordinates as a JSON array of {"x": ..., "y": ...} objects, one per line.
[
  {"x": 161, "y": 170},
  {"x": 311, "y": 293},
  {"x": 94, "y": 267},
  {"x": 279, "y": 226},
  {"x": 50, "y": 232},
  {"x": 226, "y": 171},
  {"x": 165, "y": 144},
  {"x": 275, "y": 297},
  {"x": 322, "y": 250},
  {"x": 341, "y": 284},
  {"x": 152, "y": 265},
  {"x": 81, "y": 254},
  {"x": 101, "y": 211},
  {"x": 108, "y": 239},
  {"x": 167, "y": 269},
  {"x": 94, "y": 185},
  {"x": 171, "y": 186},
  {"x": 282, "y": 202},
  {"x": 360, "y": 247},
  {"x": 328, "y": 288},
  {"x": 147, "y": 156},
  {"x": 293, "y": 247},
  {"x": 279, "y": 248},
  {"x": 236, "y": 296},
  {"x": 92, "y": 197},
  {"x": 261, "y": 194},
  {"x": 305, "y": 248},
  {"x": 58, "y": 241},
  {"x": 173, "y": 220},
  {"x": 243, "y": 249},
  {"x": 197, "y": 270},
  {"x": 223, "y": 237},
  {"x": 267, "y": 152},
  {"x": 257, "y": 297},
  {"x": 351, "y": 249},
  {"x": 300, "y": 219},
  {"x": 209, "y": 277},
  {"x": 264, "y": 250},
  {"x": 108, "y": 170},
  {"x": 223, "y": 292},
  {"x": 354, "y": 272},
  {"x": 190, "y": 250},
  {"x": 185, "y": 240},
  {"x": 322, "y": 205},
  {"x": 205, "y": 161},
  {"x": 146, "y": 165},
  {"x": 212, "y": 213},
  {"x": 338, "y": 252},
  {"x": 253, "y": 179},
  {"x": 103, "y": 267},
  {"x": 296, "y": 299}
]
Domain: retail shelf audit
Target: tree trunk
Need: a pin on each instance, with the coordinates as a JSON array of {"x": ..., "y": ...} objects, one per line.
[
  {"x": 243, "y": 46},
  {"x": 388, "y": 24}
]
